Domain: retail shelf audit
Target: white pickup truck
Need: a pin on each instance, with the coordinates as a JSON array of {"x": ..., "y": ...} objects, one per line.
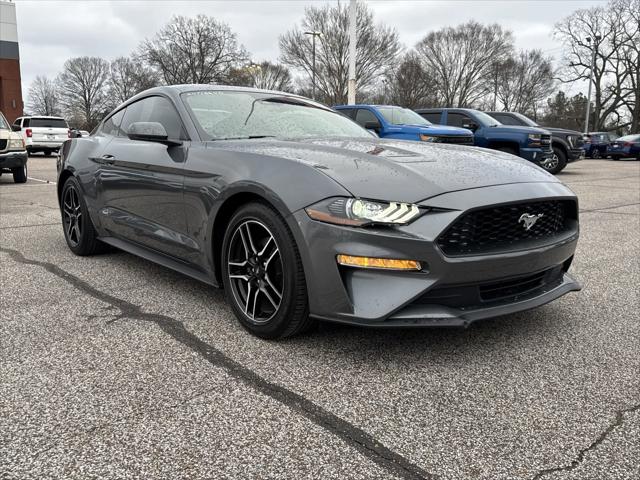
[{"x": 42, "y": 134}]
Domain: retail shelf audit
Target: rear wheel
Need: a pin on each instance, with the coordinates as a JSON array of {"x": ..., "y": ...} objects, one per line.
[
  {"x": 262, "y": 274},
  {"x": 20, "y": 174},
  {"x": 79, "y": 231},
  {"x": 556, "y": 162},
  {"x": 596, "y": 154}
]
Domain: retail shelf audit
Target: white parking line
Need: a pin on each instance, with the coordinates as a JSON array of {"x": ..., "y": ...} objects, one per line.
[{"x": 43, "y": 181}]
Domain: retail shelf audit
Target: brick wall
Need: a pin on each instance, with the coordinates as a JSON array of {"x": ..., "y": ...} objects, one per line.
[{"x": 10, "y": 89}]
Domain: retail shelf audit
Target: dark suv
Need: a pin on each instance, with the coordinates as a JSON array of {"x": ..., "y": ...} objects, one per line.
[
  {"x": 567, "y": 145},
  {"x": 596, "y": 143},
  {"x": 533, "y": 144}
]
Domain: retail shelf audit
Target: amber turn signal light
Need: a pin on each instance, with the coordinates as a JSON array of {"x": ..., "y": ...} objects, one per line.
[{"x": 385, "y": 263}]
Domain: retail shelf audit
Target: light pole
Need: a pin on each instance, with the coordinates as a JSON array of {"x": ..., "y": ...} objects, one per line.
[
  {"x": 593, "y": 62},
  {"x": 313, "y": 61}
]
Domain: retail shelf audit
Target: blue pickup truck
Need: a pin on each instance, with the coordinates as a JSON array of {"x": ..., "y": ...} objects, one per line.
[
  {"x": 403, "y": 124},
  {"x": 530, "y": 143}
]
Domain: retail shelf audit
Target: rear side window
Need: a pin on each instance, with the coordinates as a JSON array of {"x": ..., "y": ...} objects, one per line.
[
  {"x": 433, "y": 117},
  {"x": 363, "y": 116},
  {"x": 111, "y": 126},
  {"x": 47, "y": 122},
  {"x": 154, "y": 109},
  {"x": 347, "y": 112}
]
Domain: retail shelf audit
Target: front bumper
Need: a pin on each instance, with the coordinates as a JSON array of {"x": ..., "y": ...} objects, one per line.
[
  {"x": 393, "y": 298},
  {"x": 535, "y": 155},
  {"x": 13, "y": 159},
  {"x": 575, "y": 154}
]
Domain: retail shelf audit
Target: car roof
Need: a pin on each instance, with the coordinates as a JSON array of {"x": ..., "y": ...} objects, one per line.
[
  {"x": 42, "y": 116},
  {"x": 370, "y": 105},
  {"x": 446, "y": 109}
]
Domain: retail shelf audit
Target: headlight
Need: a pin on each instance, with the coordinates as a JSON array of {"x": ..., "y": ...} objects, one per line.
[
  {"x": 571, "y": 140},
  {"x": 16, "y": 144},
  {"x": 357, "y": 212},
  {"x": 535, "y": 137},
  {"x": 428, "y": 138}
]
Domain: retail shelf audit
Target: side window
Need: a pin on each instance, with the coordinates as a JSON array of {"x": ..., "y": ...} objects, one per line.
[
  {"x": 154, "y": 109},
  {"x": 363, "y": 116},
  {"x": 17, "y": 122},
  {"x": 433, "y": 117},
  {"x": 26, "y": 122},
  {"x": 112, "y": 125},
  {"x": 458, "y": 119}
]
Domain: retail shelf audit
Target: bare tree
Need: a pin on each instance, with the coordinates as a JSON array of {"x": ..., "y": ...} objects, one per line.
[
  {"x": 410, "y": 85},
  {"x": 43, "y": 97},
  {"x": 82, "y": 86},
  {"x": 629, "y": 53},
  {"x": 127, "y": 77},
  {"x": 524, "y": 81},
  {"x": 460, "y": 60},
  {"x": 270, "y": 76},
  {"x": 193, "y": 50},
  {"x": 614, "y": 24},
  {"x": 376, "y": 49}
]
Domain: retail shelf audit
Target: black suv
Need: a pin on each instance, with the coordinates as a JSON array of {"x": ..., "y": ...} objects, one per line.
[{"x": 568, "y": 145}]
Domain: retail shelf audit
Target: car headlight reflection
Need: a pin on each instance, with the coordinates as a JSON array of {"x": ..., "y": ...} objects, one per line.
[
  {"x": 358, "y": 212},
  {"x": 16, "y": 144}
]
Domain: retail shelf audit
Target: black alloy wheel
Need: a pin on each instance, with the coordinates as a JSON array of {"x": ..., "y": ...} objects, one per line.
[
  {"x": 556, "y": 162},
  {"x": 262, "y": 274},
  {"x": 79, "y": 231},
  {"x": 595, "y": 154}
]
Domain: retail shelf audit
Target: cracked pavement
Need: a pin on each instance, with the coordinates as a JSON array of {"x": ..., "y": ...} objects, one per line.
[{"x": 112, "y": 367}]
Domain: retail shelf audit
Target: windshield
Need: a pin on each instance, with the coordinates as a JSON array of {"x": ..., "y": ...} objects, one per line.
[
  {"x": 485, "y": 119},
  {"x": 527, "y": 121},
  {"x": 239, "y": 115},
  {"x": 47, "y": 122},
  {"x": 3, "y": 123},
  {"x": 629, "y": 138},
  {"x": 402, "y": 116}
]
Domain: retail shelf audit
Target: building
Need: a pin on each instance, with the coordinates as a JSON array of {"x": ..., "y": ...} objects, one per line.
[{"x": 10, "y": 84}]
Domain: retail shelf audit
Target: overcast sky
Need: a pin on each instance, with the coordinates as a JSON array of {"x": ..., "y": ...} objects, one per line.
[{"x": 50, "y": 32}]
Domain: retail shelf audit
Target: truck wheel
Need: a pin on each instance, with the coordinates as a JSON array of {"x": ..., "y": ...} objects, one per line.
[
  {"x": 595, "y": 154},
  {"x": 555, "y": 163},
  {"x": 20, "y": 174}
]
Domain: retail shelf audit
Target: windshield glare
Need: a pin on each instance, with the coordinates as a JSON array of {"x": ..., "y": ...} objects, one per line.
[
  {"x": 486, "y": 119},
  {"x": 236, "y": 114},
  {"x": 3, "y": 123},
  {"x": 402, "y": 116},
  {"x": 629, "y": 138},
  {"x": 526, "y": 120}
]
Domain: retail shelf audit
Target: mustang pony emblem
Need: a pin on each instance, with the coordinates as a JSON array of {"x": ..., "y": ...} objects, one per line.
[{"x": 529, "y": 220}]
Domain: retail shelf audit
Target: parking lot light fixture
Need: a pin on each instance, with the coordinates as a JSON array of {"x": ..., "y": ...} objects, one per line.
[{"x": 313, "y": 34}]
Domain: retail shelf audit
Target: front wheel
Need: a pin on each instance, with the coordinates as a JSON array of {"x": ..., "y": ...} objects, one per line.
[
  {"x": 595, "y": 154},
  {"x": 20, "y": 174},
  {"x": 263, "y": 275},
  {"x": 556, "y": 162}
]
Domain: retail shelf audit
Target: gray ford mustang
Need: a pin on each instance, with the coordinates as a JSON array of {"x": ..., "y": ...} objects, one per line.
[{"x": 300, "y": 214}]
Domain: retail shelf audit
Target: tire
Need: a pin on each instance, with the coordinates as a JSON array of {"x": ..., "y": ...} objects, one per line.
[
  {"x": 20, "y": 174},
  {"x": 556, "y": 163},
  {"x": 81, "y": 240},
  {"x": 510, "y": 150},
  {"x": 615, "y": 157},
  {"x": 47, "y": 153},
  {"x": 262, "y": 274},
  {"x": 596, "y": 154}
]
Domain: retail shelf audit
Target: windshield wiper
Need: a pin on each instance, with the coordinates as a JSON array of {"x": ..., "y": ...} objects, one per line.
[{"x": 245, "y": 137}]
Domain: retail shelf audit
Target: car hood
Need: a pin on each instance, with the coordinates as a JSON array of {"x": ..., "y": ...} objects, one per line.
[
  {"x": 518, "y": 129},
  {"x": 430, "y": 129},
  {"x": 397, "y": 170},
  {"x": 563, "y": 131}
]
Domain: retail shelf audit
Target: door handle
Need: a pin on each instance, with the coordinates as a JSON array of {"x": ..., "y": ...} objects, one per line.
[{"x": 108, "y": 159}]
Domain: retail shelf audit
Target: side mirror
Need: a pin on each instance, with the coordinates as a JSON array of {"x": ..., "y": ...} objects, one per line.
[
  {"x": 372, "y": 126},
  {"x": 150, "y": 132}
]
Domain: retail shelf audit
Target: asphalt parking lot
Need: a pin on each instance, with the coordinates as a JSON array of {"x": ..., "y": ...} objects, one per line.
[{"x": 113, "y": 367}]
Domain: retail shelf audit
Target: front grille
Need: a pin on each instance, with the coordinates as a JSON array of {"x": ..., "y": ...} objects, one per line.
[
  {"x": 545, "y": 139},
  {"x": 502, "y": 228},
  {"x": 496, "y": 292},
  {"x": 3, "y": 143},
  {"x": 456, "y": 139}
]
